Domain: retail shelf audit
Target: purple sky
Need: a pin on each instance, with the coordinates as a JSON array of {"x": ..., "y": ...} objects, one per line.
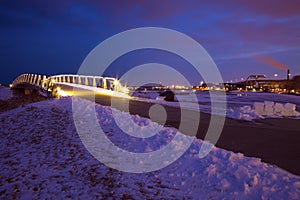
[{"x": 53, "y": 37}]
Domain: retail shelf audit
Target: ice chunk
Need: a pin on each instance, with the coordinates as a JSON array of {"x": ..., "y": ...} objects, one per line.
[
  {"x": 246, "y": 109},
  {"x": 289, "y": 110},
  {"x": 269, "y": 108},
  {"x": 269, "y": 103},
  {"x": 278, "y": 108},
  {"x": 290, "y": 106},
  {"x": 259, "y": 108},
  {"x": 243, "y": 113}
]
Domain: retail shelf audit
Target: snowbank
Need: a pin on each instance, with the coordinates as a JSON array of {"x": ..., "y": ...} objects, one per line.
[{"x": 43, "y": 157}]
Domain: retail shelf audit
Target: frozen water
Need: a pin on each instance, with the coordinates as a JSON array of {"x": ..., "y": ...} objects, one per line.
[{"x": 240, "y": 105}]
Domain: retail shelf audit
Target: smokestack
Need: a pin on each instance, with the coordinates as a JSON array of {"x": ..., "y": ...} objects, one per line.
[{"x": 288, "y": 75}]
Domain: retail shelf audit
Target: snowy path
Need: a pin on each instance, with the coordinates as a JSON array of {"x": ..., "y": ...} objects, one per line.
[{"x": 42, "y": 157}]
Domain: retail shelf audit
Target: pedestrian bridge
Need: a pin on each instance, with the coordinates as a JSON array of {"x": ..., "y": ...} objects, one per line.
[{"x": 48, "y": 86}]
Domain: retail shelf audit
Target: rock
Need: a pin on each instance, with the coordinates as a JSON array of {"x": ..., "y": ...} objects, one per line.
[{"x": 168, "y": 94}]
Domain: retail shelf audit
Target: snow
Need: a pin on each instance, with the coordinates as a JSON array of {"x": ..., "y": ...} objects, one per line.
[
  {"x": 5, "y": 93},
  {"x": 42, "y": 157}
]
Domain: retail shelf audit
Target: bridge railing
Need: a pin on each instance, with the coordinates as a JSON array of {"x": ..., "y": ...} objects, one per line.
[
  {"x": 47, "y": 84},
  {"x": 30, "y": 79},
  {"x": 78, "y": 79},
  {"x": 92, "y": 81}
]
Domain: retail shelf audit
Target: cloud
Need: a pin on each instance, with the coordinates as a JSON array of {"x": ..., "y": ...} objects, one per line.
[
  {"x": 271, "y": 62},
  {"x": 274, "y": 8},
  {"x": 255, "y": 54}
]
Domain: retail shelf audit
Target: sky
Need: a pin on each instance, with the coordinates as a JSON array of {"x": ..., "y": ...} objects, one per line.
[{"x": 54, "y": 37}]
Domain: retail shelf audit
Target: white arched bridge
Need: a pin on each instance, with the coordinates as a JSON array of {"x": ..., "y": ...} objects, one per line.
[{"x": 51, "y": 86}]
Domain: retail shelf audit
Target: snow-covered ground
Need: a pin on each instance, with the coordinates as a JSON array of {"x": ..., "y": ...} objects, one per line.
[
  {"x": 240, "y": 105},
  {"x": 5, "y": 93},
  {"x": 43, "y": 157}
]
